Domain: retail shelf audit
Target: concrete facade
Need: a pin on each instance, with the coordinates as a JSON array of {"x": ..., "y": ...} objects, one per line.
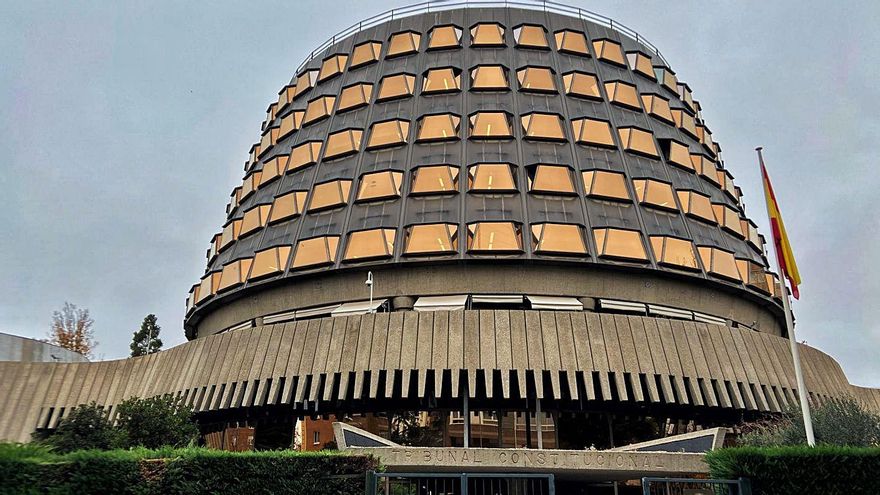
[
  {"x": 578, "y": 358},
  {"x": 23, "y": 349},
  {"x": 584, "y": 465},
  {"x": 445, "y": 279}
]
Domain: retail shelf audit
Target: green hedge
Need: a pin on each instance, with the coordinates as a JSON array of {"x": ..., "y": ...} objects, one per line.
[
  {"x": 801, "y": 470},
  {"x": 182, "y": 471}
]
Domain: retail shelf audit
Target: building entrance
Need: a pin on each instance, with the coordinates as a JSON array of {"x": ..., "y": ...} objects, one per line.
[{"x": 460, "y": 484}]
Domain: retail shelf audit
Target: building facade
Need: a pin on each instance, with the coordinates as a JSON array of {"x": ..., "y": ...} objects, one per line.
[{"x": 558, "y": 255}]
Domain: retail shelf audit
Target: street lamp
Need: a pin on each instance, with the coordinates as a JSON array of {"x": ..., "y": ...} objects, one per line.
[{"x": 369, "y": 283}]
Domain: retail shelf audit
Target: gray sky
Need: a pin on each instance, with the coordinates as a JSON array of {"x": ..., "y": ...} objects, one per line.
[{"x": 124, "y": 126}]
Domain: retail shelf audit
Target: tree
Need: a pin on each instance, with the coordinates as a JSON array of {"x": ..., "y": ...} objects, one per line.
[
  {"x": 86, "y": 427},
  {"x": 842, "y": 421},
  {"x": 156, "y": 422},
  {"x": 71, "y": 329},
  {"x": 146, "y": 340}
]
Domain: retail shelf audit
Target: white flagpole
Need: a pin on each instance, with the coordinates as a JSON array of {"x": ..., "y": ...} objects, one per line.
[{"x": 792, "y": 341}]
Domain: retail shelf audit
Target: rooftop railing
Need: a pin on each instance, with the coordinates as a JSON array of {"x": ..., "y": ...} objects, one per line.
[{"x": 441, "y": 5}]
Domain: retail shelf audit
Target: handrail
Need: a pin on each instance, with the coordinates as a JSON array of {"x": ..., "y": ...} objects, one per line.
[{"x": 441, "y": 5}]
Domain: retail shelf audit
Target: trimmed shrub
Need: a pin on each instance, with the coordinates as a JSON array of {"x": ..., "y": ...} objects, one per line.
[
  {"x": 21, "y": 467},
  {"x": 799, "y": 470},
  {"x": 156, "y": 422},
  {"x": 86, "y": 427},
  {"x": 25, "y": 470}
]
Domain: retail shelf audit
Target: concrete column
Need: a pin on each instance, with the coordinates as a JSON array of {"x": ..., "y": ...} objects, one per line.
[
  {"x": 539, "y": 423},
  {"x": 588, "y": 302},
  {"x": 402, "y": 303},
  {"x": 466, "y": 427}
]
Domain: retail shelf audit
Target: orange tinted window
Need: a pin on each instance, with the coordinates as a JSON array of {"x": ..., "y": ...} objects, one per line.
[
  {"x": 620, "y": 244},
  {"x": 330, "y": 195},
  {"x": 605, "y": 184},
  {"x": 719, "y": 263},
  {"x": 573, "y": 42},
  {"x": 658, "y": 107},
  {"x": 290, "y": 122},
  {"x": 403, "y": 44},
  {"x": 441, "y": 80},
  {"x": 675, "y": 252},
  {"x": 678, "y": 154},
  {"x": 641, "y": 64},
  {"x": 489, "y": 78},
  {"x": 491, "y": 177},
  {"x": 315, "y": 252},
  {"x": 487, "y": 34},
  {"x": 530, "y": 36},
  {"x": 396, "y": 86},
  {"x": 592, "y": 132},
  {"x": 536, "y": 80},
  {"x": 609, "y": 51},
  {"x": 269, "y": 262},
  {"x": 435, "y": 238},
  {"x": 638, "y": 141},
  {"x": 558, "y": 238},
  {"x": 582, "y": 85},
  {"x": 287, "y": 206},
  {"x": 490, "y": 125},
  {"x": 655, "y": 193},
  {"x": 494, "y": 236},
  {"x": 343, "y": 143},
  {"x": 696, "y": 205},
  {"x": 254, "y": 219},
  {"x": 444, "y": 37},
  {"x": 318, "y": 109},
  {"x": 623, "y": 94},
  {"x": 551, "y": 179},
  {"x": 542, "y": 126},
  {"x": 441, "y": 127},
  {"x": 388, "y": 133},
  {"x": 332, "y": 66},
  {"x": 354, "y": 96},
  {"x": 435, "y": 179},
  {"x": 234, "y": 274},
  {"x": 380, "y": 185},
  {"x": 370, "y": 244},
  {"x": 303, "y": 155},
  {"x": 365, "y": 53}
]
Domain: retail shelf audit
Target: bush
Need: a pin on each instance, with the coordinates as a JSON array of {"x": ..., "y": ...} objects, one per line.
[
  {"x": 20, "y": 466},
  {"x": 800, "y": 470},
  {"x": 836, "y": 422},
  {"x": 24, "y": 470},
  {"x": 86, "y": 427},
  {"x": 156, "y": 422}
]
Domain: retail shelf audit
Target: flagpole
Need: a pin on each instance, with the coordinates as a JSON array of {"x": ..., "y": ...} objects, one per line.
[{"x": 792, "y": 341}]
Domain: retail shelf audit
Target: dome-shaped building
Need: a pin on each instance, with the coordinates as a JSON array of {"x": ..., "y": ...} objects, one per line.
[
  {"x": 558, "y": 256},
  {"x": 488, "y": 158}
]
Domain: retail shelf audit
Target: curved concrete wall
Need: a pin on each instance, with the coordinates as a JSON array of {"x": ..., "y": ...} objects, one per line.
[
  {"x": 23, "y": 349},
  {"x": 550, "y": 280},
  {"x": 576, "y": 356}
]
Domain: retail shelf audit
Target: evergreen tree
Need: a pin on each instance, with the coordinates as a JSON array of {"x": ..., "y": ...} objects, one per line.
[{"x": 146, "y": 340}]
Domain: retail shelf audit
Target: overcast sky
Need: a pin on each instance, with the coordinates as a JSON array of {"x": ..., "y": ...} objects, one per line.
[{"x": 124, "y": 126}]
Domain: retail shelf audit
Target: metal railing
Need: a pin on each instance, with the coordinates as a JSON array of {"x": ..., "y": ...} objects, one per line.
[
  {"x": 441, "y": 5},
  {"x": 691, "y": 486}
]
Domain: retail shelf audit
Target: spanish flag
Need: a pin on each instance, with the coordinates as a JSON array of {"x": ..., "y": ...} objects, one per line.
[{"x": 784, "y": 255}]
